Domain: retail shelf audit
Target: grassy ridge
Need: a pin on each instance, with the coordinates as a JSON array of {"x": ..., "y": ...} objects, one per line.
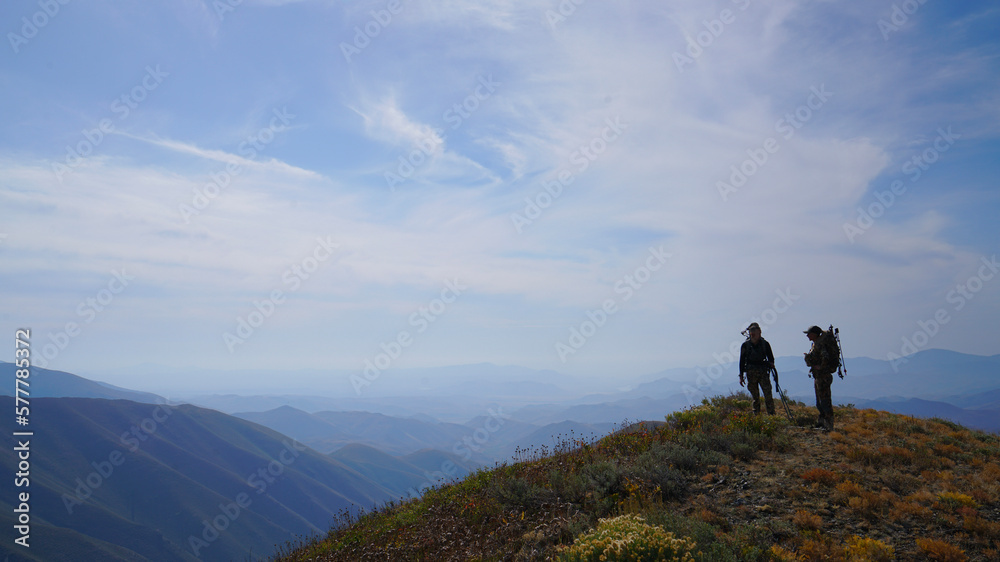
[{"x": 727, "y": 484}]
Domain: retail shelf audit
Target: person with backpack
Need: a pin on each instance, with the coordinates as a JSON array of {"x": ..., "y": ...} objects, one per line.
[
  {"x": 823, "y": 359},
  {"x": 756, "y": 360}
]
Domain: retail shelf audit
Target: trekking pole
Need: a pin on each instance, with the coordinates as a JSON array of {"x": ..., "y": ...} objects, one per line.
[
  {"x": 836, "y": 334},
  {"x": 780, "y": 393}
]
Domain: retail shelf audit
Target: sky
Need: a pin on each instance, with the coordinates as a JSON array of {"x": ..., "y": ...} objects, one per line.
[{"x": 604, "y": 189}]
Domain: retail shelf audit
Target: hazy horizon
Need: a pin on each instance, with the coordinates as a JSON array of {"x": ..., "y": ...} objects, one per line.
[{"x": 190, "y": 381}]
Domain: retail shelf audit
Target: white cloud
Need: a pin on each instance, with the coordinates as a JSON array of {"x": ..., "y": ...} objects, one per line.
[{"x": 223, "y": 157}]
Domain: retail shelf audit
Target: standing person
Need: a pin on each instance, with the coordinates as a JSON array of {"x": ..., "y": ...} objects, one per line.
[
  {"x": 822, "y": 362},
  {"x": 756, "y": 360}
]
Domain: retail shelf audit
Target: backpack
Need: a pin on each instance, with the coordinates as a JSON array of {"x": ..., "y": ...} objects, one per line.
[
  {"x": 829, "y": 341},
  {"x": 756, "y": 354}
]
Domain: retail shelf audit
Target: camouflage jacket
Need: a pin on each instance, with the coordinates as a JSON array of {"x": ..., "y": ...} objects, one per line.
[{"x": 818, "y": 359}]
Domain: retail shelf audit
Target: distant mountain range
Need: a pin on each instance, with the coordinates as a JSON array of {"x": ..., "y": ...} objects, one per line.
[
  {"x": 928, "y": 374},
  {"x": 935, "y": 375},
  {"x": 315, "y": 390},
  {"x": 329, "y": 431},
  {"x": 46, "y": 383},
  {"x": 986, "y": 419},
  {"x": 482, "y": 441},
  {"x": 408, "y": 475},
  {"x": 121, "y": 480}
]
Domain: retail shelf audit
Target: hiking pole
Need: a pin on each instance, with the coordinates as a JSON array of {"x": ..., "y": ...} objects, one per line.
[{"x": 780, "y": 393}]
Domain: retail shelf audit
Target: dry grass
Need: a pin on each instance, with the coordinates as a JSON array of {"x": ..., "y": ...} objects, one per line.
[
  {"x": 821, "y": 476},
  {"x": 941, "y": 550},
  {"x": 807, "y": 521}
]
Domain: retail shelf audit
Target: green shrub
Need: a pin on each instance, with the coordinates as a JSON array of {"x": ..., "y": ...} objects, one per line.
[
  {"x": 628, "y": 539},
  {"x": 714, "y": 441},
  {"x": 752, "y": 423},
  {"x": 519, "y": 493},
  {"x": 743, "y": 451},
  {"x": 681, "y": 457},
  {"x": 699, "y": 417},
  {"x": 603, "y": 478},
  {"x": 671, "y": 482},
  {"x": 567, "y": 485}
]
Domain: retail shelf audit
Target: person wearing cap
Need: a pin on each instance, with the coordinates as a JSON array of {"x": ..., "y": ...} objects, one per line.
[
  {"x": 821, "y": 369},
  {"x": 756, "y": 360}
]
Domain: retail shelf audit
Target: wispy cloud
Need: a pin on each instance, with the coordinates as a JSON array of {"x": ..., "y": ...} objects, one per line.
[
  {"x": 223, "y": 157},
  {"x": 386, "y": 121}
]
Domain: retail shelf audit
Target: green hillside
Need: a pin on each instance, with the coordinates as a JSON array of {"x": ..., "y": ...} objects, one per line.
[
  {"x": 713, "y": 483},
  {"x": 120, "y": 480}
]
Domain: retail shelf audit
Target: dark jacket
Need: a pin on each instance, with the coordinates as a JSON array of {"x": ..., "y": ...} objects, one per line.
[{"x": 755, "y": 357}]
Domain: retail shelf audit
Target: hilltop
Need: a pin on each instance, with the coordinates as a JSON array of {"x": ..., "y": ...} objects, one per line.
[{"x": 715, "y": 482}]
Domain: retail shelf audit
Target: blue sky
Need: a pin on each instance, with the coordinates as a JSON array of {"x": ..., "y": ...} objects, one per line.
[{"x": 480, "y": 179}]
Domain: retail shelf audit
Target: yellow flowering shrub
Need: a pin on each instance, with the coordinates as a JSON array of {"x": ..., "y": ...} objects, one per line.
[
  {"x": 628, "y": 539},
  {"x": 868, "y": 550},
  {"x": 955, "y": 499}
]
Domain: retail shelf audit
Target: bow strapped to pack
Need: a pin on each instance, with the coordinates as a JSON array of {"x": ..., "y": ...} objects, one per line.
[{"x": 831, "y": 339}]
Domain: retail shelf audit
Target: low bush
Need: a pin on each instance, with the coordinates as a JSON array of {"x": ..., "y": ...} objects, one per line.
[
  {"x": 820, "y": 476},
  {"x": 868, "y": 550},
  {"x": 628, "y": 538},
  {"x": 941, "y": 550},
  {"x": 807, "y": 521}
]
